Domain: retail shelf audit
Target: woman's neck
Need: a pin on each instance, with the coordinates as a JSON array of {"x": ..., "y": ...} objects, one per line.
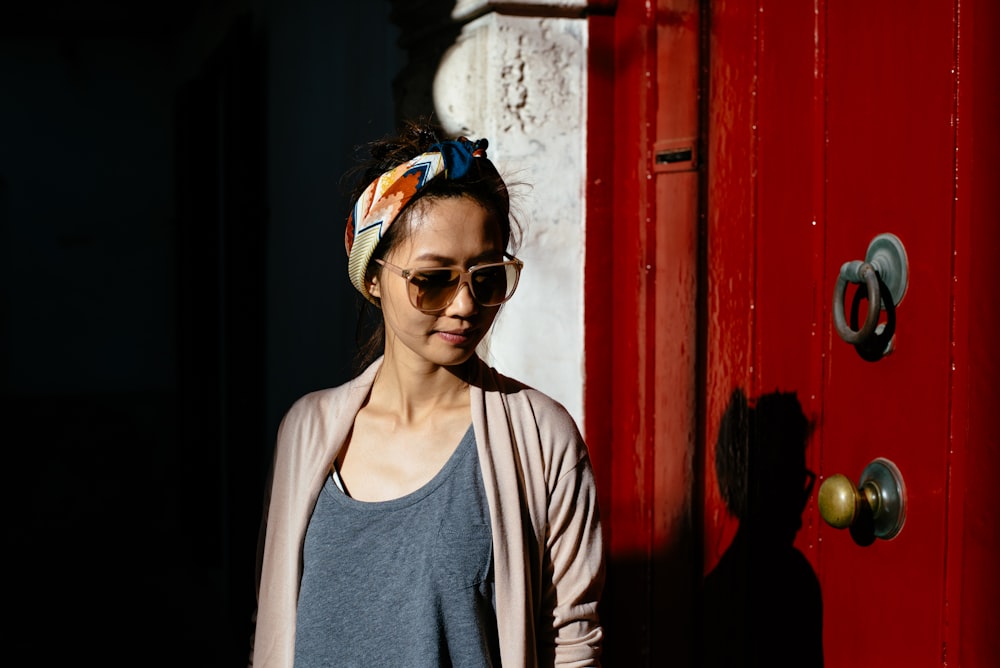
[{"x": 415, "y": 391}]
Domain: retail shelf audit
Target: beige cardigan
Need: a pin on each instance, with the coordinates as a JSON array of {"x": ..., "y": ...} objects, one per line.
[{"x": 548, "y": 551}]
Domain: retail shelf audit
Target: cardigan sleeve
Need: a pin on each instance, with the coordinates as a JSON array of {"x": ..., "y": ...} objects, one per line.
[{"x": 570, "y": 632}]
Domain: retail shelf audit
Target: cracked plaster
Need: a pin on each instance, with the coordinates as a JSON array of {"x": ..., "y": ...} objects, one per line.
[{"x": 521, "y": 82}]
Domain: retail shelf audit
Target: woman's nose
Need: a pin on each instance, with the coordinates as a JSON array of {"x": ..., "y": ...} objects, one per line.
[{"x": 464, "y": 301}]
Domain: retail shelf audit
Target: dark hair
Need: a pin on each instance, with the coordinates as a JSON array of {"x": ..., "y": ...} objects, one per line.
[{"x": 483, "y": 184}]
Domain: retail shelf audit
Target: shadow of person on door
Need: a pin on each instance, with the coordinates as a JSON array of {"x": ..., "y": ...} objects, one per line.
[{"x": 762, "y": 604}]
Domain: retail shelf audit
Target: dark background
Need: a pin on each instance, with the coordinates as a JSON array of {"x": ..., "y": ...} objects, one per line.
[{"x": 173, "y": 277}]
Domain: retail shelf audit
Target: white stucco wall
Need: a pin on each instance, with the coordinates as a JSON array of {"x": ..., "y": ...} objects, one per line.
[{"x": 521, "y": 82}]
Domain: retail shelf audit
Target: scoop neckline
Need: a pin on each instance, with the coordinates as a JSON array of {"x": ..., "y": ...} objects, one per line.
[{"x": 465, "y": 444}]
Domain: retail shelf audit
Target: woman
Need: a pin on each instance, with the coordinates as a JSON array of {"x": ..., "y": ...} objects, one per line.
[{"x": 430, "y": 512}]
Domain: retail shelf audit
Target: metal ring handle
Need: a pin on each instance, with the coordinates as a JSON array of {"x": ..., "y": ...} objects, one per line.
[{"x": 856, "y": 272}]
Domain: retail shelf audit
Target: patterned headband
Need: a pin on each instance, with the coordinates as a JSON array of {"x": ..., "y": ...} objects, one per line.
[{"x": 380, "y": 203}]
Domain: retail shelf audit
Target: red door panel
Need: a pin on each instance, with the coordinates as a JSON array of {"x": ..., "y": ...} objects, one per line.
[
  {"x": 890, "y": 85},
  {"x": 827, "y": 128},
  {"x": 719, "y": 398}
]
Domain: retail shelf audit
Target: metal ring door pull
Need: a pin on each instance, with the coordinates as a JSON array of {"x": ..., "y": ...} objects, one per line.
[
  {"x": 856, "y": 272},
  {"x": 885, "y": 260},
  {"x": 879, "y": 498}
]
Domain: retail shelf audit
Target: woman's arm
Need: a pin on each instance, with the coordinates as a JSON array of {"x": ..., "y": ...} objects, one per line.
[{"x": 569, "y": 630}]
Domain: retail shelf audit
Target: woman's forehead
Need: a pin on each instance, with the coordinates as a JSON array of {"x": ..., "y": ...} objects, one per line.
[{"x": 452, "y": 227}]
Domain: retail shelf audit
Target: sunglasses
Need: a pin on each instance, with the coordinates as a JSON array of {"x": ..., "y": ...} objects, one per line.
[{"x": 433, "y": 289}]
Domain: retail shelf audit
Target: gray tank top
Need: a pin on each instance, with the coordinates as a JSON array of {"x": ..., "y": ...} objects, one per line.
[{"x": 406, "y": 582}]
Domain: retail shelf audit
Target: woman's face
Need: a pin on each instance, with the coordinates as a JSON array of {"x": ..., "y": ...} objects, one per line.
[{"x": 453, "y": 231}]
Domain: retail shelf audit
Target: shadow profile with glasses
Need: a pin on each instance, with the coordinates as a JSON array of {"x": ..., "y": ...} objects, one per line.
[{"x": 762, "y": 604}]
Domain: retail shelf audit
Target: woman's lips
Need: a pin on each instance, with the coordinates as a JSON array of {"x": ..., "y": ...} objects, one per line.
[{"x": 457, "y": 337}]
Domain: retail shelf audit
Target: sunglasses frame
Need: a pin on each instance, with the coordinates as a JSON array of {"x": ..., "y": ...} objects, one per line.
[{"x": 465, "y": 276}]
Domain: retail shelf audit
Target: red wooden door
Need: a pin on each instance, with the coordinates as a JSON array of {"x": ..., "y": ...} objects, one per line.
[
  {"x": 829, "y": 124},
  {"x": 719, "y": 396}
]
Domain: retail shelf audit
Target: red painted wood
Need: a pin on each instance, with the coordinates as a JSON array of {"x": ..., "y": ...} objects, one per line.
[
  {"x": 890, "y": 87},
  {"x": 731, "y": 159},
  {"x": 630, "y": 532},
  {"x": 828, "y": 125},
  {"x": 973, "y": 585},
  {"x": 621, "y": 105},
  {"x": 825, "y": 124},
  {"x": 673, "y": 342},
  {"x": 761, "y": 603},
  {"x": 791, "y": 283},
  {"x": 641, "y": 340},
  {"x": 599, "y": 329}
]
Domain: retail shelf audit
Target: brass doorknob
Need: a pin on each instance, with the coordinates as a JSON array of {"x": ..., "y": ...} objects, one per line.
[{"x": 879, "y": 497}]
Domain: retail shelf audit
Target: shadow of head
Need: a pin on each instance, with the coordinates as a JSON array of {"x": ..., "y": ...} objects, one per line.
[
  {"x": 760, "y": 465},
  {"x": 760, "y": 459}
]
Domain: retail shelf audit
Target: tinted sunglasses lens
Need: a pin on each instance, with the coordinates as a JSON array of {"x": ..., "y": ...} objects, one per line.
[
  {"x": 432, "y": 289},
  {"x": 494, "y": 284}
]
